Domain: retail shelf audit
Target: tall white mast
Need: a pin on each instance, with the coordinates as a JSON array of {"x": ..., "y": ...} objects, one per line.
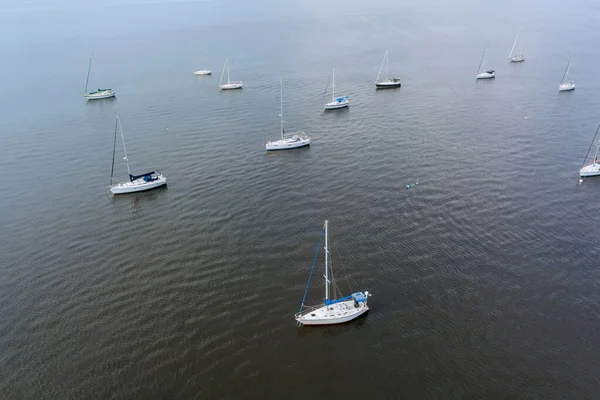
[
  {"x": 87, "y": 80},
  {"x": 386, "y": 65},
  {"x": 333, "y": 84},
  {"x": 326, "y": 265},
  {"x": 124, "y": 149},
  {"x": 513, "y": 48},
  {"x": 228, "y": 81},
  {"x": 281, "y": 108}
]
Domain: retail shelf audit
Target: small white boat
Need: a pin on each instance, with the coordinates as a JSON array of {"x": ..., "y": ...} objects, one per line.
[
  {"x": 336, "y": 102},
  {"x": 229, "y": 85},
  {"x": 565, "y": 84},
  {"x": 489, "y": 74},
  {"x": 203, "y": 72},
  {"x": 99, "y": 93},
  {"x": 386, "y": 82},
  {"x": 592, "y": 169},
  {"x": 136, "y": 183},
  {"x": 333, "y": 311},
  {"x": 514, "y": 58},
  {"x": 291, "y": 140}
]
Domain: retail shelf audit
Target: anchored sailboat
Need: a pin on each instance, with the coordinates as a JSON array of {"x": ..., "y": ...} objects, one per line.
[
  {"x": 336, "y": 102},
  {"x": 99, "y": 93},
  {"x": 566, "y": 85},
  {"x": 516, "y": 57},
  {"x": 592, "y": 169},
  {"x": 333, "y": 311},
  {"x": 291, "y": 140},
  {"x": 489, "y": 74},
  {"x": 386, "y": 82},
  {"x": 229, "y": 84},
  {"x": 136, "y": 183}
]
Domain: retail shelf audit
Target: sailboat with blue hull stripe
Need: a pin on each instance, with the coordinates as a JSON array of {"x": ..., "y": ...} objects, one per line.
[{"x": 332, "y": 311}]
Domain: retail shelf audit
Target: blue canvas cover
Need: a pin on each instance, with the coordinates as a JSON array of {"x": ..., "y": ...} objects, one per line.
[{"x": 147, "y": 176}]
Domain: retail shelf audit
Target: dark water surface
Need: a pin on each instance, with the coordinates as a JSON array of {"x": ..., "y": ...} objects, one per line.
[{"x": 484, "y": 277}]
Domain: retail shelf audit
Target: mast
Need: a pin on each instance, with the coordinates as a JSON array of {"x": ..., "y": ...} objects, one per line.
[
  {"x": 588, "y": 152},
  {"x": 228, "y": 81},
  {"x": 124, "y": 149},
  {"x": 223, "y": 72},
  {"x": 333, "y": 85},
  {"x": 326, "y": 265},
  {"x": 568, "y": 66},
  {"x": 88, "y": 75},
  {"x": 387, "y": 58},
  {"x": 513, "y": 48},
  {"x": 112, "y": 169},
  {"x": 482, "y": 58},
  {"x": 380, "y": 68},
  {"x": 281, "y": 107}
]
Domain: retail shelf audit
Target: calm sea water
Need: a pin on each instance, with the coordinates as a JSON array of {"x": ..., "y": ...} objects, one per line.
[{"x": 484, "y": 277}]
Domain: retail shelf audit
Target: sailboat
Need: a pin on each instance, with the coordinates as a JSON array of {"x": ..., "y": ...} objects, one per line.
[
  {"x": 136, "y": 183},
  {"x": 291, "y": 140},
  {"x": 487, "y": 74},
  {"x": 203, "y": 72},
  {"x": 566, "y": 85},
  {"x": 332, "y": 311},
  {"x": 336, "y": 102},
  {"x": 516, "y": 57},
  {"x": 592, "y": 169},
  {"x": 229, "y": 84},
  {"x": 386, "y": 82},
  {"x": 99, "y": 93}
]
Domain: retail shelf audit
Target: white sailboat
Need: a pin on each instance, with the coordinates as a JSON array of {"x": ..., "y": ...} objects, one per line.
[
  {"x": 592, "y": 169},
  {"x": 291, "y": 140},
  {"x": 386, "y": 82},
  {"x": 332, "y": 311},
  {"x": 567, "y": 85},
  {"x": 229, "y": 84},
  {"x": 489, "y": 74},
  {"x": 99, "y": 93},
  {"x": 203, "y": 72},
  {"x": 136, "y": 183},
  {"x": 519, "y": 57},
  {"x": 336, "y": 102}
]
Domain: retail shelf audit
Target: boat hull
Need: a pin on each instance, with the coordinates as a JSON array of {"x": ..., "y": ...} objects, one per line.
[
  {"x": 337, "y": 313},
  {"x": 387, "y": 85},
  {"x": 231, "y": 85},
  {"x": 566, "y": 87},
  {"x": 99, "y": 95},
  {"x": 203, "y": 72},
  {"x": 486, "y": 75},
  {"x": 590, "y": 170},
  {"x": 287, "y": 144},
  {"x": 334, "y": 105},
  {"x": 517, "y": 59},
  {"x": 138, "y": 185}
]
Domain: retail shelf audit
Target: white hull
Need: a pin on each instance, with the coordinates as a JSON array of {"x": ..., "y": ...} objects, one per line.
[
  {"x": 590, "y": 170},
  {"x": 567, "y": 86},
  {"x": 389, "y": 84},
  {"x": 288, "y": 143},
  {"x": 336, "y": 104},
  {"x": 138, "y": 185},
  {"x": 486, "y": 75},
  {"x": 337, "y": 313},
  {"x": 231, "y": 85},
  {"x": 100, "y": 95},
  {"x": 517, "y": 59},
  {"x": 203, "y": 72}
]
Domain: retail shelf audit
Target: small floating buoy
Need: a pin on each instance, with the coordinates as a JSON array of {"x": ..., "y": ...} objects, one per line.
[
  {"x": 167, "y": 129},
  {"x": 580, "y": 180}
]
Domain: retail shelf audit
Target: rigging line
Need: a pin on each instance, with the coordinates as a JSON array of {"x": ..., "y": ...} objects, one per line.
[
  {"x": 112, "y": 169},
  {"x": 344, "y": 269},
  {"x": 326, "y": 88},
  {"x": 312, "y": 269},
  {"x": 588, "y": 152},
  {"x": 271, "y": 123}
]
